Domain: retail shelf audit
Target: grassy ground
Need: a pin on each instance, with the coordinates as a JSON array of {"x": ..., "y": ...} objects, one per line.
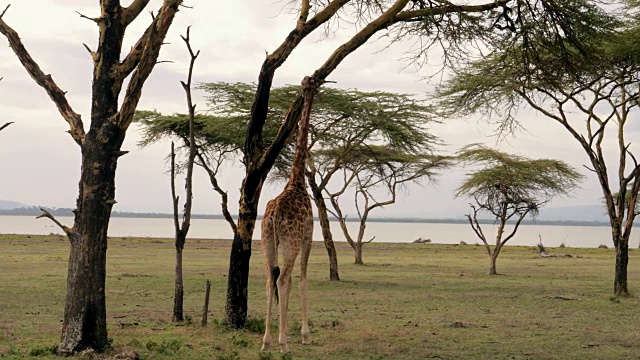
[{"x": 411, "y": 301}]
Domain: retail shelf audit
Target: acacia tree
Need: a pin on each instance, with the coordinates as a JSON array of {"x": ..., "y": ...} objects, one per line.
[
  {"x": 593, "y": 104},
  {"x": 342, "y": 120},
  {"x": 84, "y": 324},
  {"x": 441, "y": 23},
  {"x": 370, "y": 170},
  {"x": 181, "y": 230},
  {"x": 510, "y": 187},
  {"x": 363, "y": 141}
]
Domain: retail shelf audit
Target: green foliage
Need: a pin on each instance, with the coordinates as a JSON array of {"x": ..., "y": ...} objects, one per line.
[
  {"x": 337, "y": 113},
  {"x": 40, "y": 350},
  {"x": 375, "y": 129},
  {"x": 231, "y": 355},
  {"x": 239, "y": 340},
  {"x": 254, "y": 325},
  {"x": 165, "y": 346},
  {"x": 540, "y": 62},
  {"x": 515, "y": 180}
]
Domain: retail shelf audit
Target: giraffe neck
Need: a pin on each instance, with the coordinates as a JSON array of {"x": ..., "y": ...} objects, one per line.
[{"x": 299, "y": 159}]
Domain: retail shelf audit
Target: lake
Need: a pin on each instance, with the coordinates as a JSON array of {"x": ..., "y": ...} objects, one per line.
[{"x": 552, "y": 235}]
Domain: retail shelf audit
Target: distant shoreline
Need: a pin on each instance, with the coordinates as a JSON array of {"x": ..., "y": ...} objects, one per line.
[{"x": 32, "y": 211}]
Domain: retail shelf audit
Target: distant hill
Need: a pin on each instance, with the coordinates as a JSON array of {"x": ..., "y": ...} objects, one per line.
[
  {"x": 564, "y": 214},
  {"x": 8, "y": 205}
]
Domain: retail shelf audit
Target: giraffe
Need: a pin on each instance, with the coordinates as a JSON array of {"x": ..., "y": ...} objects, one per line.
[{"x": 288, "y": 224}]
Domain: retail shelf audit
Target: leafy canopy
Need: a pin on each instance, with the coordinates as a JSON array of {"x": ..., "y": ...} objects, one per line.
[
  {"x": 511, "y": 179},
  {"x": 341, "y": 120}
]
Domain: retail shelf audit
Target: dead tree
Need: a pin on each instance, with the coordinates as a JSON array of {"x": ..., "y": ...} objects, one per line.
[
  {"x": 183, "y": 229},
  {"x": 84, "y": 325}
]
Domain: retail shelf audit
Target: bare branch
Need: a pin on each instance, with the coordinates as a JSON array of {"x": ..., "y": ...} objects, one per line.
[
  {"x": 186, "y": 221},
  {"x": 67, "y": 230},
  {"x": 304, "y": 13},
  {"x": 93, "y": 54},
  {"x": 223, "y": 194},
  {"x": 132, "y": 59},
  {"x": 131, "y": 13},
  {"x": 95, "y": 20},
  {"x": 4, "y": 11},
  {"x": 148, "y": 58},
  {"x": 174, "y": 199},
  {"x": 5, "y": 125},
  {"x": 45, "y": 81},
  {"x": 447, "y": 7}
]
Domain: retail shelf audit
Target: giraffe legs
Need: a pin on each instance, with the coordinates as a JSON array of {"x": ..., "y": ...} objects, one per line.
[
  {"x": 284, "y": 289},
  {"x": 266, "y": 340},
  {"x": 304, "y": 259},
  {"x": 271, "y": 260}
]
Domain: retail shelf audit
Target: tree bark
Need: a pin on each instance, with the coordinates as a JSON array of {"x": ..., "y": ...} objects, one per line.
[
  {"x": 620, "y": 287},
  {"x": 358, "y": 253},
  {"x": 492, "y": 268},
  {"x": 178, "y": 298},
  {"x": 325, "y": 225},
  {"x": 84, "y": 324},
  {"x": 238, "y": 278}
]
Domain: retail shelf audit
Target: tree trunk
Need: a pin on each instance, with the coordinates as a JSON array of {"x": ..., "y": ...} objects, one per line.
[
  {"x": 85, "y": 324},
  {"x": 238, "y": 278},
  {"x": 622, "y": 260},
  {"x": 492, "y": 268},
  {"x": 325, "y": 225},
  {"x": 358, "y": 251},
  {"x": 178, "y": 298}
]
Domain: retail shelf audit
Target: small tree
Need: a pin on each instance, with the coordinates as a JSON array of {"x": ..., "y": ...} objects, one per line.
[
  {"x": 181, "y": 230},
  {"x": 375, "y": 173},
  {"x": 510, "y": 187}
]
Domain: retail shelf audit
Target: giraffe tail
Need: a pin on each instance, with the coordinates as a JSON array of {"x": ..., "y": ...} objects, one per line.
[{"x": 275, "y": 273}]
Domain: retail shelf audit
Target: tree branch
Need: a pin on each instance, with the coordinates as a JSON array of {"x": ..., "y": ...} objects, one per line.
[
  {"x": 148, "y": 58},
  {"x": 131, "y": 12},
  {"x": 45, "y": 81},
  {"x": 448, "y": 7},
  {"x": 5, "y": 125},
  {"x": 67, "y": 230},
  {"x": 304, "y": 13},
  {"x": 174, "y": 198},
  {"x": 95, "y": 20},
  {"x": 223, "y": 194}
]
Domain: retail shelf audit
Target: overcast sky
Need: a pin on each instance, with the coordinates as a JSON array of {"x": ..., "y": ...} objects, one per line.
[{"x": 41, "y": 162}]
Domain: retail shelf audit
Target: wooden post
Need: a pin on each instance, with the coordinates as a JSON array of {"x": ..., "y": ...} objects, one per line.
[{"x": 205, "y": 309}]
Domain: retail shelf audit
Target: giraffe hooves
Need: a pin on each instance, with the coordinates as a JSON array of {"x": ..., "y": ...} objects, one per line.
[
  {"x": 265, "y": 347},
  {"x": 306, "y": 341},
  {"x": 284, "y": 349}
]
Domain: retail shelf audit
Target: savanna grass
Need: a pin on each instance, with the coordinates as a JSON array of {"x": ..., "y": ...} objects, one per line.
[{"x": 409, "y": 301}]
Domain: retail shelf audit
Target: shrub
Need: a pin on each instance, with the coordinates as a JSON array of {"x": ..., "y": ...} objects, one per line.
[
  {"x": 42, "y": 350},
  {"x": 254, "y": 325}
]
